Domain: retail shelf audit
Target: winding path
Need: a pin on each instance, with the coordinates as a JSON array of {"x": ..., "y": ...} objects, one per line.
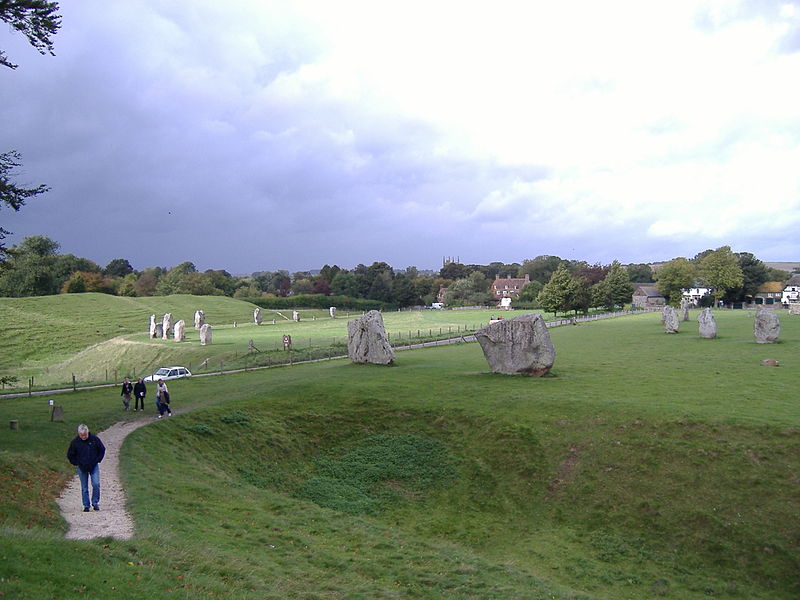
[{"x": 113, "y": 518}]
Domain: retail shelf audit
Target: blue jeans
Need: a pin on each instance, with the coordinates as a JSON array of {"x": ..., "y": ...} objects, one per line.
[{"x": 84, "y": 477}]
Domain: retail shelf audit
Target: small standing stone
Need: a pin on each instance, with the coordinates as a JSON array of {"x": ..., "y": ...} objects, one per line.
[
  {"x": 685, "y": 308},
  {"x": 205, "y": 335},
  {"x": 794, "y": 308},
  {"x": 180, "y": 331},
  {"x": 167, "y": 324},
  {"x": 708, "y": 325},
  {"x": 332, "y": 312},
  {"x": 153, "y": 326},
  {"x": 199, "y": 319},
  {"x": 767, "y": 326},
  {"x": 159, "y": 331},
  {"x": 671, "y": 322},
  {"x": 257, "y": 318},
  {"x": 295, "y": 316}
]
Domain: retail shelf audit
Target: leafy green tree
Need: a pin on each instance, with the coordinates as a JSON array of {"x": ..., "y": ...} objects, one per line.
[
  {"x": 223, "y": 281},
  {"x": 541, "y": 268},
  {"x": 381, "y": 288},
  {"x": 640, "y": 273},
  {"x": 37, "y": 20},
  {"x": 345, "y": 284},
  {"x": 754, "y": 273},
  {"x": 147, "y": 281},
  {"x": 674, "y": 276},
  {"x": 303, "y": 285},
  {"x": 29, "y": 269},
  {"x": 721, "y": 271},
  {"x": 469, "y": 291},
  {"x": 558, "y": 293},
  {"x": 403, "y": 291},
  {"x": 127, "y": 286},
  {"x": 619, "y": 284},
  {"x": 531, "y": 291},
  {"x": 11, "y": 194},
  {"x": 118, "y": 267},
  {"x": 453, "y": 271}
]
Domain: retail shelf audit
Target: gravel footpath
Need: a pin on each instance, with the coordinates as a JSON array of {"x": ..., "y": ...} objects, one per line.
[{"x": 113, "y": 519}]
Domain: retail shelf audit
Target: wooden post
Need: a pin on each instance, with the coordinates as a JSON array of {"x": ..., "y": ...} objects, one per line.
[
  {"x": 74, "y": 387},
  {"x": 14, "y": 424}
]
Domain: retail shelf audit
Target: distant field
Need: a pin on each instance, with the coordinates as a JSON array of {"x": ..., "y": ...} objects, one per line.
[
  {"x": 645, "y": 466},
  {"x": 99, "y": 338}
]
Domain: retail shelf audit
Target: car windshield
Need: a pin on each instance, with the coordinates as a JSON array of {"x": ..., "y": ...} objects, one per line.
[{"x": 162, "y": 372}]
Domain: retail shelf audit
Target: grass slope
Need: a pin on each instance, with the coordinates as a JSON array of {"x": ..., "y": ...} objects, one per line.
[{"x": 647, "y": 465}]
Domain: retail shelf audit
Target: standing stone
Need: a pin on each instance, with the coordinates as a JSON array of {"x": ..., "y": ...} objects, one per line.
[
  {"x": 767, "y": 326},
  {"x": 367, "y": 341},
  {"x": 153, "y": 326},
  {"x": 794, "y": 308},
  {"x": 199, "y": 319},
  {"x": 180, "y": 331},
  {"x": 671, "y": 322},
  {"x": 205, "y": 335},
  {"x": 332, "y": 311},
  {"x": 167, "y": 324},
  {"x": 519, "y": 345},
  {"x": 295, "y": 316},
  {"x": 708, "y": 324},
  {"x": 257, "y": 318},
  {"x": 685, "y": 308},
  {"x": 159, "y": 330}
]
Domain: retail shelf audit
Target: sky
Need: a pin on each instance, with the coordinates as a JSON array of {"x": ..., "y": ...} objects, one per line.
[{"x": 261, "y": 135}]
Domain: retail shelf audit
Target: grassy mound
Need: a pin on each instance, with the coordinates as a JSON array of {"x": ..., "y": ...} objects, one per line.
[{"x": 646, "y": 466}]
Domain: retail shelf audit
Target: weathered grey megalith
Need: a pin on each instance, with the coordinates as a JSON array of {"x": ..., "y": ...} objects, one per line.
[
  {"x": 205, "y": 335},
  {"x": 199, "y": 318},
  {"x": 180, "y": 331},
  {"x": 708, "y": 325},
  {"x": 367, "y": 341},
  {"x": 332, "y": 312},
  {"x": 167, "y": 324},
  {"x": 158, "y": 332},
  {"x": 257, "y": 318},
  {"x": 518, "y": 345},
  {"x": 794, "y": 308},
  {"x": 685, "y": 308},
  {"x": 670, "y": 317},
  {"x": 152, "y": 326},
  {"x": 767, "y": 326}
]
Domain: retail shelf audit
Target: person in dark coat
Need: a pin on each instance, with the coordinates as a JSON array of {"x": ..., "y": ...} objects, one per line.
[
  {"x": 139, "y": 392},
  {"x": 127, "y": 388},
  {"x": 85, "y": 452}
]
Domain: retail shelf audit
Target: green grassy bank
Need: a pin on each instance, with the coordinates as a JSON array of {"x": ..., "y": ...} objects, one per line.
[{"x": 645, "y": 466}]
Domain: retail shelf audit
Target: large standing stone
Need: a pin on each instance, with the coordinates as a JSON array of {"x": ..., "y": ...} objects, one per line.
[
  {"x": 257, "y": 318},
  {"x": 367, "y": 341},
  {"x": 794, "y": 308},
  {"x": 153, "y": 326},
  {"x": 767, "y": 326},
  {"x": 708, "y": 324},
  {"x": 199, "y": 319},
  {"x": 670, "y": 317},
  {"x": 518, "y": 345},
  {"x": 295, "y": 316},
  {"x": 205, "y": 335},
  {"x": 180, "y": 331},
  {"x": 158, "y": 332},
  {"x": 332, "y": 311},
  {"x": 167, "y": 324}
]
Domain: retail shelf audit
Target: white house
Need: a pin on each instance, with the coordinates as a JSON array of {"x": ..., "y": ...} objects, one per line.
[
  {"x": 791, "y": 291},
  {"x": 694, "y": 294}
]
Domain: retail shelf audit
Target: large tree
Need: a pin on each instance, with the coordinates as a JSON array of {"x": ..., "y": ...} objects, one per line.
[
  {"x": 721, "y": 271},
  {"x": 30, "y": 269},
  {"x": 541, "y": 268},
  {"x": 675, "y": 276},
  {"x": 754, "y": 273},
  {"x": 558, "y": 294},
  {"x": 11, "y": 194}
]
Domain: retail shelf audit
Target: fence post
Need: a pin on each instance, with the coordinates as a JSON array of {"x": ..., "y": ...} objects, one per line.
[{"x": 74, "y": 388}]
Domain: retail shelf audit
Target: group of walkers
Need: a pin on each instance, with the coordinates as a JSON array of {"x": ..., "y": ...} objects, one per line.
[
  {"x": 139, "y": 391},
  {"x": 86, "y": 450}
]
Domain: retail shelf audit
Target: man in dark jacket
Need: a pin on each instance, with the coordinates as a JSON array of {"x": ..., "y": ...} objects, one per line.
[
  {"x": 139, "y": 392},
  {"x": 127, "y": 389},
  {"x": 85, "y": 452}
]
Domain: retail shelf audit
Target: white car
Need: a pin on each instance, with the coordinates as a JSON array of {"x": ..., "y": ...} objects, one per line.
[{"x": 167, "y": 373}]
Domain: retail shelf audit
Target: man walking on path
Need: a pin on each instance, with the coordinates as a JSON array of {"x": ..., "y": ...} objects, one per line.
[
  {"x": 139, "y": 392},
  {"x": 127, "y": 388},
  {"x": 85, "y": 452}
]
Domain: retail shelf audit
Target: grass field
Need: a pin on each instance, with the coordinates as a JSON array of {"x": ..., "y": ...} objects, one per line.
[
  {"x": 645, "y": 466},
  {"x": 100, "y": 338}
]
